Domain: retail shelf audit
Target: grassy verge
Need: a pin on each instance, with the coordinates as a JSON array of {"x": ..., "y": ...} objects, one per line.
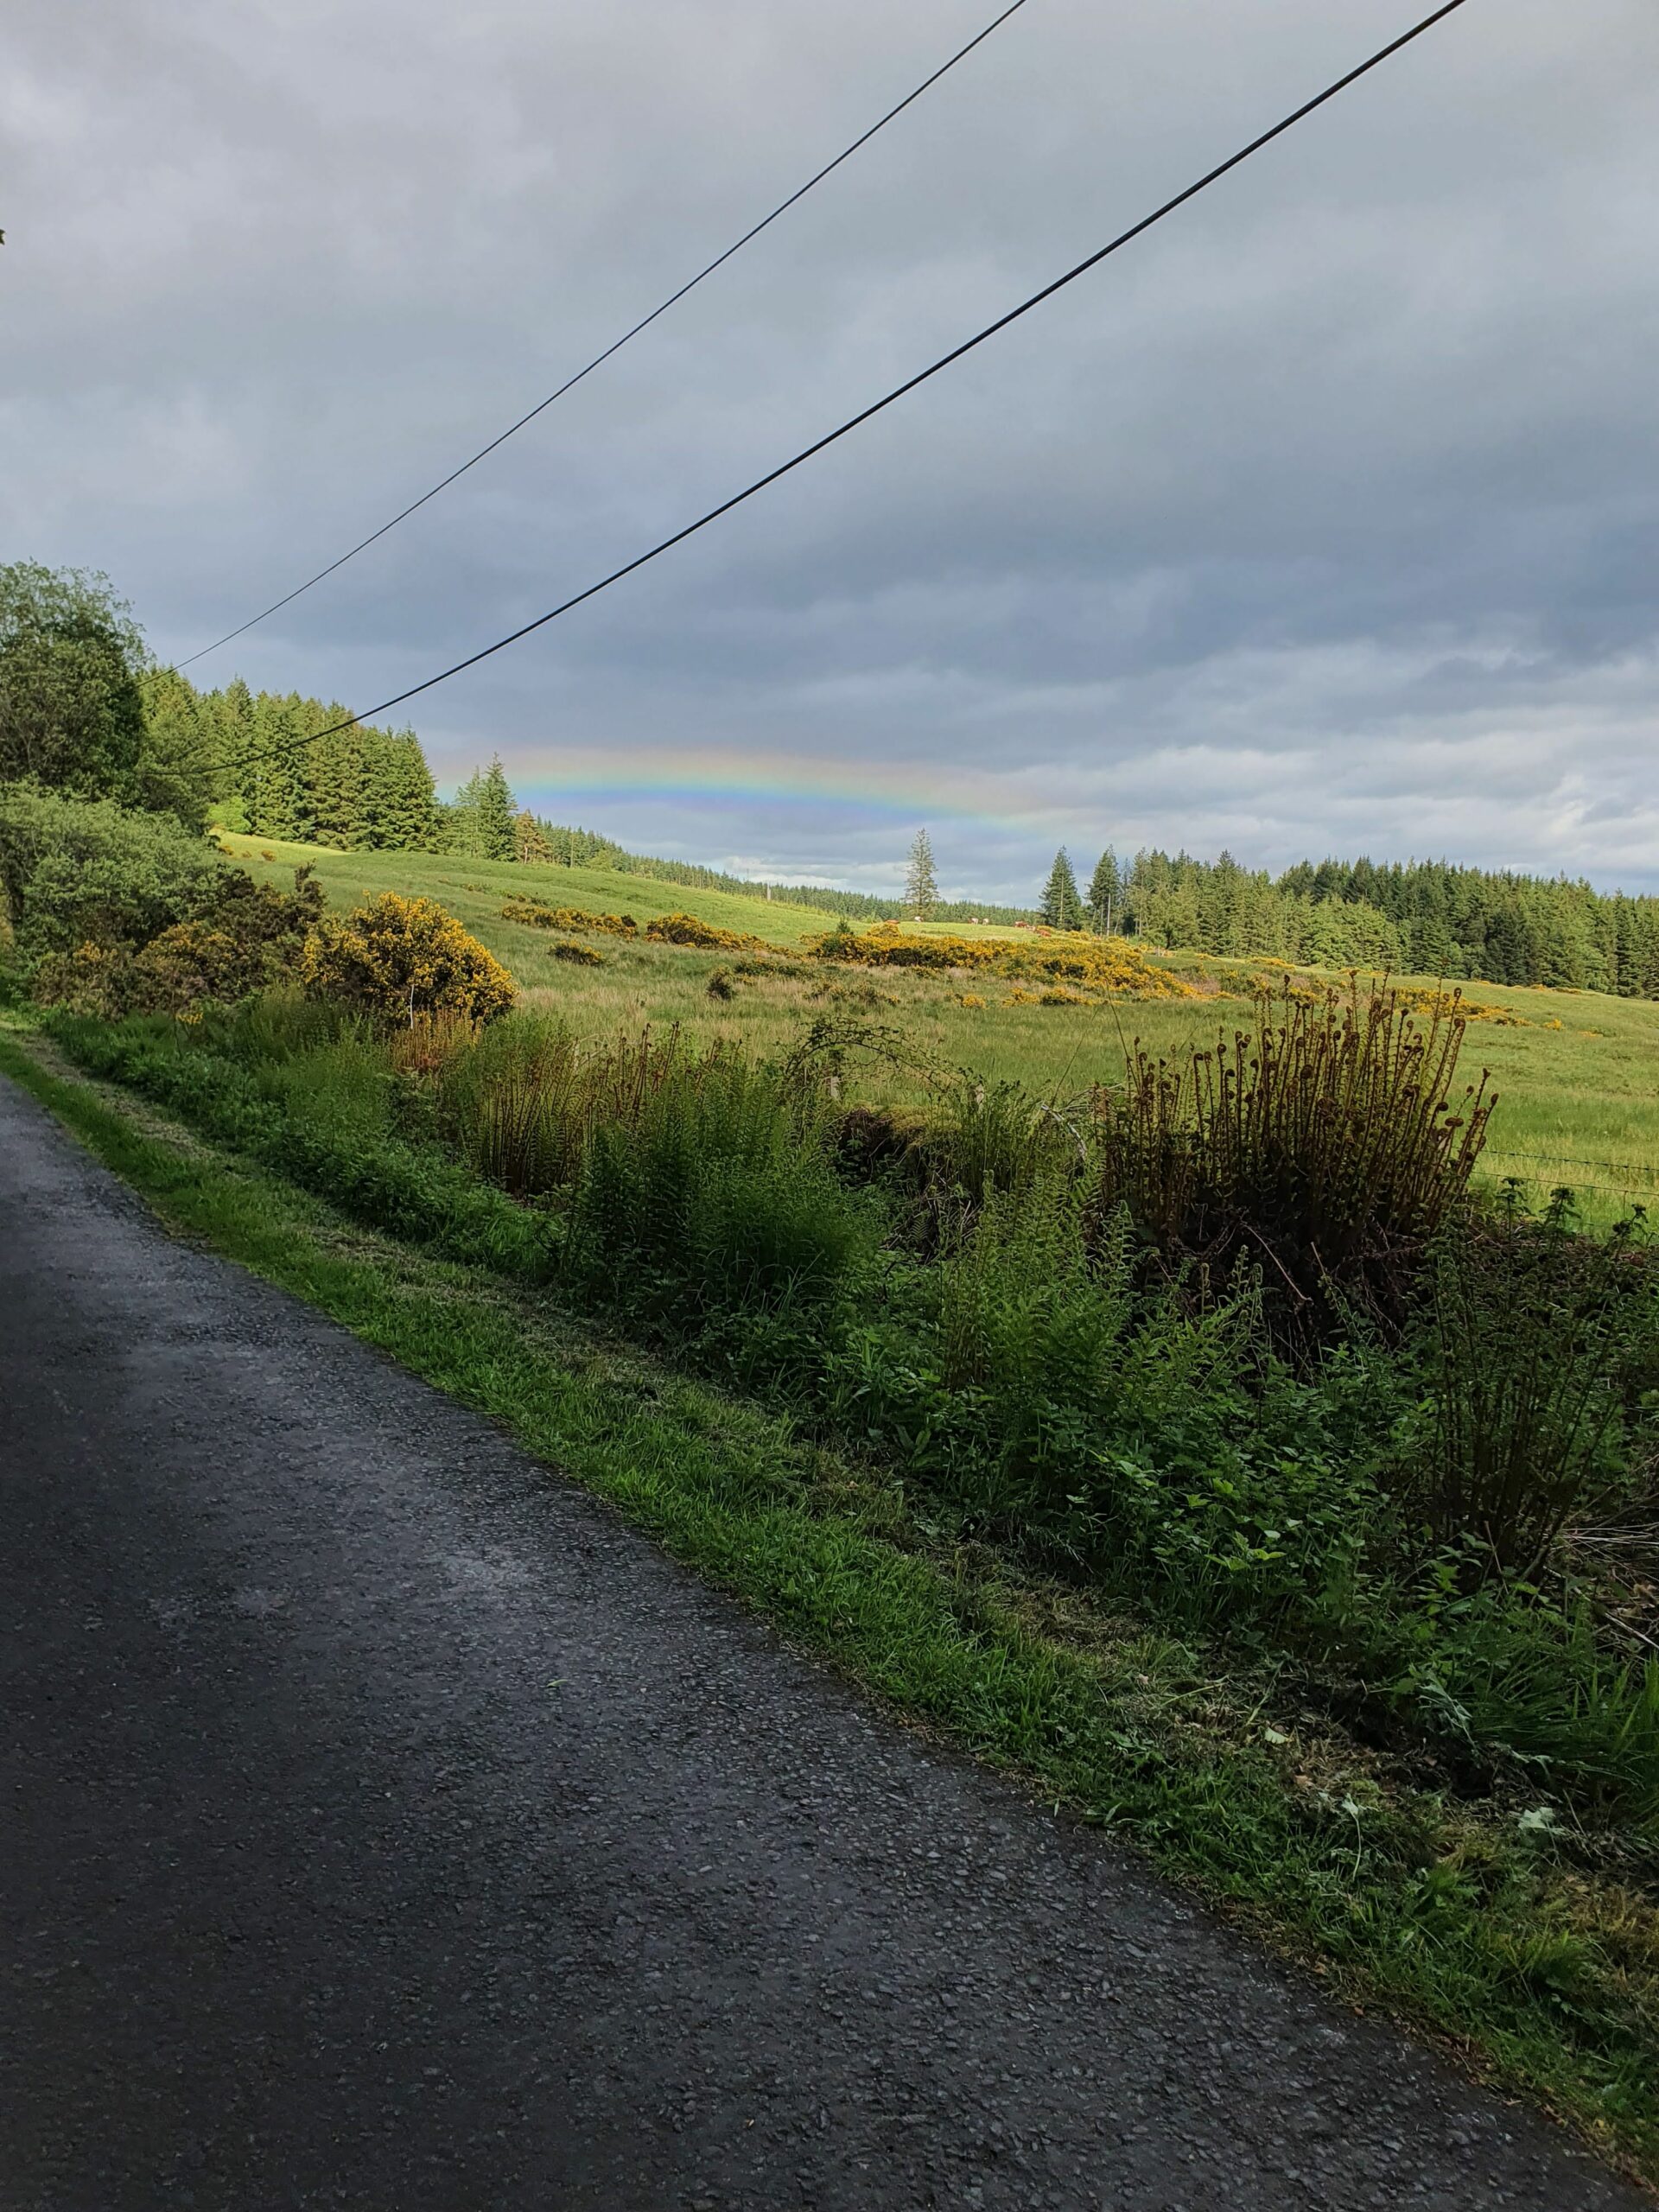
[
  {"x": 1579, "y": 1102},
  {"x": 1499, "y": 1936}
]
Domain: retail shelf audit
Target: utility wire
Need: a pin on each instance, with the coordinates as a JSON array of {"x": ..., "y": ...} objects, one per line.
[
  {"x": 616, "y": 346},
  {"x": 922, "y": 377}
]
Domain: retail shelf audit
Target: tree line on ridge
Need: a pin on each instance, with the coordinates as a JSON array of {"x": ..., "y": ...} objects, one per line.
[{"x": 84, "y": 710}]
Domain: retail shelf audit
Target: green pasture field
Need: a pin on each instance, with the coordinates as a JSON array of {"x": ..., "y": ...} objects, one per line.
[{"x": 1578, "y": 1085}]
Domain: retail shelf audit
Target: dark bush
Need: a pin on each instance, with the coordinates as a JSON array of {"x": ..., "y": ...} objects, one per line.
[
  {"x": 1324, "y": 1148},
  {"x": 1539, "y": 1341},
  {"x": 88, "y": 872}
]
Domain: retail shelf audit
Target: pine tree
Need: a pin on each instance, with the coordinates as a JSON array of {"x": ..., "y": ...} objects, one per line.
[
  {"x": 339, "y": 776},
  {"x": 276, "y": 804},
  {"x": 460, "y": 818},
  {"x": 497, "y": 808},
  {"x": 530, "y": 841},
  {"x": 1106, "y": 893},
  {"x": 405, "y": 811},
  {"x": 231, "y": 722},
  {"x": 921, "y": 883},
  {"x": 1061, "y": 904}
]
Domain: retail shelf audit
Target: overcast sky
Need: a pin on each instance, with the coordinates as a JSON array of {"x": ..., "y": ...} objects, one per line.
[{"x": 1324, "y": 519}]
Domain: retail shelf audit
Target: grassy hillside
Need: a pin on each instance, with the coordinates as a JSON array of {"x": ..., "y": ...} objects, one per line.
[
  {"x": 1578, "y": 1081},
  {"x": 475, "y": 890}
]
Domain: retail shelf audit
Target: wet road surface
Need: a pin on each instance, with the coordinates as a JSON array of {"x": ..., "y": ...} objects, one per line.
[{"x": 386, "y": 1828}]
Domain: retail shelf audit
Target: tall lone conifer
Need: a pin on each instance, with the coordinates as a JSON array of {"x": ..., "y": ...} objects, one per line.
[{"x": 921, "y": 883}]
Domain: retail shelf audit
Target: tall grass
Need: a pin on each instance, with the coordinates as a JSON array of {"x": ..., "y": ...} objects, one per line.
[{"x": 708, "y": 1176}]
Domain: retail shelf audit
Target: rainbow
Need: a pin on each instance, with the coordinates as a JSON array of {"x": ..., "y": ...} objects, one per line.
[{"x": 552, "y": 776}]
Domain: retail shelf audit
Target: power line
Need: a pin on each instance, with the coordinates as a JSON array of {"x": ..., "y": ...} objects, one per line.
[
  {"x": 899, "y": 391},
  {"x": 616, "y": 346}
]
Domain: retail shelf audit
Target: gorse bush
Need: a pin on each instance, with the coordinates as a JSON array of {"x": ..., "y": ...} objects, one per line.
[
  {"x": 707, "y": 937},
  {"x": 534, "y": 916},
  {"x": 246, "y": 936},
  {"x": 114, "y": 912},
  {"x": 399, "y": 958},
  {"x": 1106, "y": 965}
]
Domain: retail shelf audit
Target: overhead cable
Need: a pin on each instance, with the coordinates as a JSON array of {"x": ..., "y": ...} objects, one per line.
[
  {"x": 616, "y": 345},
  {"x": 899, "y": 391}
]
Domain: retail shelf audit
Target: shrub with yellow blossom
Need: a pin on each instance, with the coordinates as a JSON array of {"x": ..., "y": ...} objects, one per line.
[
  {"x": 404, "y": 958},
  {"x": 1103, "y": 964}
]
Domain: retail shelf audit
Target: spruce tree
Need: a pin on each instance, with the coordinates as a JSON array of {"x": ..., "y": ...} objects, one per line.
[
  {"x": 497, "y": 808},
  {"x": 276, "y": 803},
  {"x": 1106, "y": 893},
  {"x": 921, "y": 883},
  {"x": 460, "y": 830},
  {"x": 406, "y": 815},
  {"x": 1061, "y": 904},
  {"x": 339, "y": 777},
  {"x": 172, "y": 774},
  {"x": 232, "y": 722}
]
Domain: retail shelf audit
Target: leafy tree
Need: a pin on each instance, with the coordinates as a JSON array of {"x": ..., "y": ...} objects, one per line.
[
  {"x": 921, "y": 883},
  {"x": 72, "y": 713},
  {"x": 1061, "y": 904},
  {"x": 87, "y": 871},
  {"x": 1106, "y": 892}
]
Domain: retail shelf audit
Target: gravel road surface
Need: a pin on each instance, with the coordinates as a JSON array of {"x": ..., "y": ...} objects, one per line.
[{"x": 385, "y": 1827}]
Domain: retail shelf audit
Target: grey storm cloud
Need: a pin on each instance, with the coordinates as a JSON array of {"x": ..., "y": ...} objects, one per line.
[{"x": 1325, "y": 518}]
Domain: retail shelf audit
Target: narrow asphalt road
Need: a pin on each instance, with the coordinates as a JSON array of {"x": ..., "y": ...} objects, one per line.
[{"x": 384, "y": 1826}]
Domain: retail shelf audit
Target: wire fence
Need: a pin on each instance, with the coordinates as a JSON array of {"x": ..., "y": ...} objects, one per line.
[{"x": 1643, "y": 1181}]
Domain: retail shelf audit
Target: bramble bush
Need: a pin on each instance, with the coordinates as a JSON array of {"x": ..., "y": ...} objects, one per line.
[
  {"x": 88, "y": 872},
  {"x": 247, "y": 936},
  {"x": 114, "y": 911}
]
